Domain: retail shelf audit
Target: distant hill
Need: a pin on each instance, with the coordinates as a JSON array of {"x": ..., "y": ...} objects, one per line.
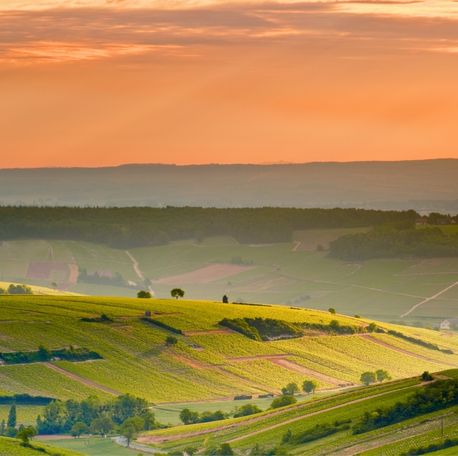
[{"x": 429, "y": 185}]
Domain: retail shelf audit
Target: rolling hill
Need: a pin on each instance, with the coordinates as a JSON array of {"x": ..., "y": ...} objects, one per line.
[
  {"x": 428, "y": 185},
  {"x": 293, "y": 273},
  {"x": 218, "y": 363}
]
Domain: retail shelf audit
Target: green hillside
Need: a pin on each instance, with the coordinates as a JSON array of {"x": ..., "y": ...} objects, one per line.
[
  {"x": 215, "y": 361},
  {"x": 297, "y": 273},
  {"x": 13, "y": 447},
  {"x": 326, "y": 426}
]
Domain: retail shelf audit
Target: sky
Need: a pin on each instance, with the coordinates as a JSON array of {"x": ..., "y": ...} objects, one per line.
[{"x": 105, "y": 82}]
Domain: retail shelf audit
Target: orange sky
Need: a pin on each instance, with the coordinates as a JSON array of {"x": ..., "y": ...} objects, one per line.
[{"x": 102, "y": 82}]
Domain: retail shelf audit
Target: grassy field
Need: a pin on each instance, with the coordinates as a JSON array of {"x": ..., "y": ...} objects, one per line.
[
  {"x": 266, "y": 429},
  {"x": 216, "y": 366},
  {"x": 293, "y": 273},
  {"x": 12, "y": 447}
]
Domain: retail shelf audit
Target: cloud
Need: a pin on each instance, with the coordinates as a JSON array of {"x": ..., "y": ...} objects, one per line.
[{"x": 72, "y": 34}]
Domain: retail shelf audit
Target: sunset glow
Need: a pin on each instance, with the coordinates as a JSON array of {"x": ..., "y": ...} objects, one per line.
[{"x": 100, "y": 82}]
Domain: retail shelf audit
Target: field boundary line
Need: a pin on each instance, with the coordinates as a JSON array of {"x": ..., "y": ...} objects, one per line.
[{"x": 82, "y": 380}]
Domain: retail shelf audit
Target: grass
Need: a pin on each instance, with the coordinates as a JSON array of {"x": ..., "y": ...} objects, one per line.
[
  {"x": 136, "y": 359},
  {"x": 287, "y": 273},
  {"x": 94, "y": 446},
  {"x": 12, "y": 447},
  {"x": 26, "y": 414}
]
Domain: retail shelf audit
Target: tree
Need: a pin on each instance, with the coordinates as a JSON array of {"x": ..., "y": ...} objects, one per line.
[
  {"x": 144, "y": 294},
  {"x": 426, "y": 376},
  {"x": 225, "y": 450},
  {"x": 2, "y": 427},
  {"x": 332, "y": 310},
  {"x": 12, "y": 417},
  {"x": 188, "y": 416},
  {"x": 372, "y": 327},
  {"x": 177, "y": 293},
  {"x": 245, "y": 410},
  {"x": 309, "y": 386},
  {"x": 171, "y": 340},
  {"x": 282, "y": 401},
  {"x": 78, "y": 429},
  {"x": 367, "y": 378},
  {"x": 382, "y": 375},
  {"x": 290, "y": 389},
  {"x": 225, "y": 299},
  {"x": 102, "y": 425},
  {"x": 27, "y": 433},
  {"x": 131, "y": 427},
  {"x": 43, "y": 353}
]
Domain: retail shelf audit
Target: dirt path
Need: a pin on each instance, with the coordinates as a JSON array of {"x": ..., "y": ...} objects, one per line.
[
  {"x": 291, "y": 365},
  {"x": 82, "y": 380},
  {"x": 403, "y": 351},
  {"x": 431, "y": 298},
  {"x": 296, "y": 246},
  {"x": 138, "y": 271},
  {"x": 170, "y": 438},
  {"x": 258, "y": 357}
]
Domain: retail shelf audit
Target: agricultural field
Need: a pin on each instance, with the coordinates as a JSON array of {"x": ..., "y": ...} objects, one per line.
[
  {"x": 300, "y": 273},
  {"x": 216, "y": 362},
  {"x": 267, "y": 429},
  {"x": 12, "y": 447}
]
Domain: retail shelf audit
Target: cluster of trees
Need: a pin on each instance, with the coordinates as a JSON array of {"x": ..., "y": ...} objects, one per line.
[
  {"x": 140, "y": 226},
  {"x": 43, "y": 355},
  {"x": 16, "y": 290},
  {"x": 116, "y": 280},
  {"x": 421, "y": 342},
  {"x": 188, "y": 416},
  {"x": 263, "y": 329},
  {"x": 435, "y": 396},
  {"x": 393, "y": 243},
  {"x": 380, "y": 375},
  {"x": 126, "y": 414}
]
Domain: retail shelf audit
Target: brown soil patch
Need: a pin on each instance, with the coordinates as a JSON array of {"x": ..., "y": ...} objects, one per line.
[
  {"x": 207, "y": 274},
  {"x": 82, "y": 380},
  {"x": 291, "y": 365},
  {"x": 403, "y": 351}
]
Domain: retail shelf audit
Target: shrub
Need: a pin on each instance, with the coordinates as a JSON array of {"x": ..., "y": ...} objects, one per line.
[
  {"x": 283, "y": 401},
  {"x": 144, "y": 294}
]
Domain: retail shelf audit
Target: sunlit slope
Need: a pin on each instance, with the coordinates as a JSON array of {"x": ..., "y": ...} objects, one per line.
[
  {"x": 13, "y": 447},
  {"x": 266, "y": 429},
  {"x": 37, "y": 290},
  {"x": 208, "y": 361},
  {"x": 286, "y": 273}
]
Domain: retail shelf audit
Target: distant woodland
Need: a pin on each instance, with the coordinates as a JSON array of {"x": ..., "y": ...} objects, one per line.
[{"x": 136, "y": 227}]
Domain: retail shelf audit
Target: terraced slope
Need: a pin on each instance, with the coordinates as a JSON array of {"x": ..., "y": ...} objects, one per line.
[
  {"x": 266, "y": 430},
  {"x": 208, "y": 362}
]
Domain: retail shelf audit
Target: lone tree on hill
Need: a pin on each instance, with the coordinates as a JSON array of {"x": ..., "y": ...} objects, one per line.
[
  {"x": 143, "y": 294},
  {"x": 367, "y": 378},
  {"x": 382, "y": 375},
  {"x": 177, "y": 293},
  {"x": 309, "y": 386},
  {"x": 225, "y": 299},
  {"x": 332, "y": 310}
]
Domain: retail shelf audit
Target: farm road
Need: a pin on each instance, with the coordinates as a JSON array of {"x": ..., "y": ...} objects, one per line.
[
  {"x": 138, "y": 271},
  {"x": 431, "y": 298}
]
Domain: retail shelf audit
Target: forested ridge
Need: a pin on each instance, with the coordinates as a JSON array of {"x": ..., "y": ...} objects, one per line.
[{"x": 142, "y": 226}]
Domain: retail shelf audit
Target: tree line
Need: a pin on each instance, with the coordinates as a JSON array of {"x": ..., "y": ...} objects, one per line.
[{"x": 142, "y": 226}]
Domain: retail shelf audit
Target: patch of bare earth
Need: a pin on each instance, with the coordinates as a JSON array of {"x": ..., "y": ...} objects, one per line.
[{"x": 207, "y": 274}]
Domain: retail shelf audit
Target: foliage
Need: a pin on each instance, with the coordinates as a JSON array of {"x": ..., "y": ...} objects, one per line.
[
  {"x": 19, "y": 290},
  {"x": 59, "y": 417},
  {"x": 42, "y": 354},
  {"x": 319, "y": 431},
  {"x": 382, "y": 375},
  {"x": 144, "y": 294},
  {"x": 367, "y": 378},
  {"x": 393, "y": 243},
  {"x": 263, "y": 328},
  {"x": 163, "y": 325},
  {"x": 309, "y": 386},
  {"x": 26, "y": 433},
  {"x": 104, "y": 318},
  {"x": 290, "y": 389},
  {"x": 447, "y": 443},
  {"x": 422, "y": 343},
  {"x": 117, "y": 280},
  {"x": 132, "y": 227},
  {"x": 171, "y": 340},
  {"x": 332, "y": 310},
  {"x": 191, "y": 417},
  {"x": 246, "y": 410},
  {"x": 177, "y": 293},
  {"x": 435, "y": 396},
  {"x": 283, "y": 401},
  {"x": 78, "y": 429},
  {"x": 12, "y": 417},
  {"x": 426, "y": 376}
]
